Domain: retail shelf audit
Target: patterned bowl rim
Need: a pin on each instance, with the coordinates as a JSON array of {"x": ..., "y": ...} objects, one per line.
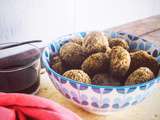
[{"x": 47, "y": 66}]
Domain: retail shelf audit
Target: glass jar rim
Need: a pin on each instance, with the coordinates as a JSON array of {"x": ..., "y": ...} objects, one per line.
[{"x": 25, "y": 66}]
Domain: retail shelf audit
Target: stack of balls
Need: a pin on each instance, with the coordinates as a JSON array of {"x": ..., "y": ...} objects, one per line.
[{"x": 100, "y": 60}]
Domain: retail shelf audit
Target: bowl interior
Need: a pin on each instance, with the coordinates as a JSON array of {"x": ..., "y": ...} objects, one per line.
[{"x": 135, "y": 43}]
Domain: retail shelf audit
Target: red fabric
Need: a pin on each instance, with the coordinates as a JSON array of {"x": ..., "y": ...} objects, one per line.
[{"x": 14, "y": 106}]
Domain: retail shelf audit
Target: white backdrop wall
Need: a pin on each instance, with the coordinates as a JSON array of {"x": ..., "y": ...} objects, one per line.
[{"x": 48, "y": 19}]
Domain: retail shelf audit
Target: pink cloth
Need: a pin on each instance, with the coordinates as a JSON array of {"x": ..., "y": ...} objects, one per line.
[{"x": 14, "y": 106}]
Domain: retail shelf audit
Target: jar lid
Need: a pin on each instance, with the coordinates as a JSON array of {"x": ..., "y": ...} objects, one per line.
[{"x": 18, "y": 57}]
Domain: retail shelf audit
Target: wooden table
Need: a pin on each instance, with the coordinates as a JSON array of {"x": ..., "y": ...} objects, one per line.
[{"x": 149, "y": 109}]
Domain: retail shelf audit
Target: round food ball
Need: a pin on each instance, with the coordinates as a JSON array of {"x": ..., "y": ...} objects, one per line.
[
  {"x": 105, "y": 80},
  {"x": 140, "y": 75},
  {"x": 95, "y": 63},
  {"x": 118, "y": 42},
  {"x": 55, "y": 59},
  {"x": 143, "y": 59},
  {"x": 59, "y": 68},
  {"x": 119, "y": 61},
  {"x": 56, "y": 64},
  {"x": 77, "y": 39},
  {"x": 77, "y": 75},
  {"x": 72, "y": 55},
  {"x": 108, "y": 51},
  {"x": 95, "y": 42}
]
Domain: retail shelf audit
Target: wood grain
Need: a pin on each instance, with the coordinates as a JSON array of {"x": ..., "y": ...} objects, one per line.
[
  {"x": 140, "y": 27},
  {"x": 153, "y": 37}
]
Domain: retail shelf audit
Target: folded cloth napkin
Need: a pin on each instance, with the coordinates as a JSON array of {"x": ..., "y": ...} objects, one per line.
[{"x": 15, "y": 106}]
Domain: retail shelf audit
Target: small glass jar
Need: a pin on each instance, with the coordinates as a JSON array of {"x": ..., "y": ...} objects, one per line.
[{"x": 20, "y": 69}]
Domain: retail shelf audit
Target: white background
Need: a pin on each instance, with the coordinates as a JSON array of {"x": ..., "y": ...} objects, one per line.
[{"x": 48, "y": 19}]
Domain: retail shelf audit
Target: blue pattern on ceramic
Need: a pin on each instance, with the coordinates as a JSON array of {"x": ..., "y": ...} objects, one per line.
[
  {"x": 84, "y": 102},
  {"x": 64, "y": 90},
  {"x": 73, "y": 94},
  {"x": 46, "y": 54},
  {"x": 94, "y": 102},
  {"x": 56, "y": 85},
  {"x": 134, "y": 103},
  {"x": 84, "y": 99},
  {"x": 63, "y": 81},
  {"x": 82, "y": 34},
  {"x": 114, "y": 34},
  {"x": 107, "y": 90},
  {"x": 83, "y": 87},
  {"x": 158, "y": 80},
  {"x": 141, "y": 99},
  {"x": 115, "y": 106},
  {"x": 148, "y": 46},
  {"x": 151, "y": 84},
  {"x": 96, "y": 90},
  {"x": 116, "y": 103},
  {"x": 121, "y": 90},
  {"x": 133, "y": 38},
  {"x": 106, "y": 103},
  {"x": 106, "y": 100},
  {"x": 105, "y": 106},
  {"x": 76, "y": 100},
  {"x": 102, "y": 98},
  {"x": 125, "y": 105},
  {"x": 155, "y": 53},
  {"x": 49, "y": 72},
  {"x": 120, "y": 33},
  {"x": 141, "y": 46},
  {"x": 75, "y": 97},
  {"x": 133, "y": 46},
  {"x": 53, "y": 48},
  {"x": 143, "y": 87},
  {"x": 57, "y": 78},
  {"x": 73, "y": 84},
  {"x": 132, "y": 89}
]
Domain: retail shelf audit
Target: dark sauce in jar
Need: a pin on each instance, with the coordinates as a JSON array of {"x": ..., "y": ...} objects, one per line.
[{"x": 20, "y": 69}]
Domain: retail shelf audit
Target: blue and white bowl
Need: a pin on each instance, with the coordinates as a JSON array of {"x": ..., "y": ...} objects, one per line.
[{"x": 101, "y": 99}]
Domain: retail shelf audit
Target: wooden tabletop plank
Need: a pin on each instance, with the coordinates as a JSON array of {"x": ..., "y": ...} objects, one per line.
[
  {"x": 140, "y": 27},
  {"x": 153, "y": 37}
]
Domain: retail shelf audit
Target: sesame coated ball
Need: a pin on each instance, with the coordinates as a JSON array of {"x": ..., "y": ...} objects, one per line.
[
  {"x": 141, "y": 75},
  {"x": 77, "y": 75},
  {"x": 95, "y": 42}
]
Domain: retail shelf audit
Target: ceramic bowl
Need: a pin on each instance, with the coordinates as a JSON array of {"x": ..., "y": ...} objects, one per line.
[{"x": 101, "y": 99}]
